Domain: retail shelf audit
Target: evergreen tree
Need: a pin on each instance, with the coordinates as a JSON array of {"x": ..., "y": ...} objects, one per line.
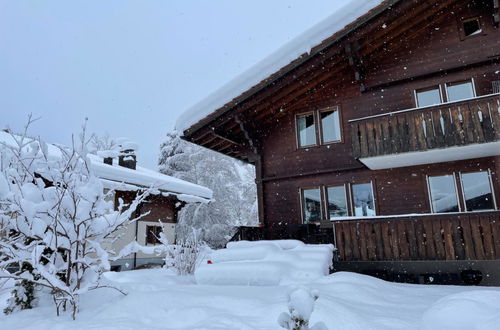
[{"x": 232, "y": 182}]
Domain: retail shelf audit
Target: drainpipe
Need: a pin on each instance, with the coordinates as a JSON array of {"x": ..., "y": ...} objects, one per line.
[{"x": 137, "y": 213}]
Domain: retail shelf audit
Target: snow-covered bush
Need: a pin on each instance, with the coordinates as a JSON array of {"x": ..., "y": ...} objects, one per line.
[
  {"x": 300, "y": 307},
  {"x": 184, "y": 255},
  {"x": 55, "y": 218},
  {"x": 22, "y": 297},
  {"x": 233, "y": 184}
]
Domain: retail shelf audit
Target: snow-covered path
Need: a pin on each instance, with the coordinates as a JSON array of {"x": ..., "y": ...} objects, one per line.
[{"x": 157, "y": 300}]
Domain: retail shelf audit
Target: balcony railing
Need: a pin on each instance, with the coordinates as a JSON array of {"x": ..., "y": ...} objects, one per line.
[
  {"x": 465, "y": 236},
  {"x": 447, "y": 125}
]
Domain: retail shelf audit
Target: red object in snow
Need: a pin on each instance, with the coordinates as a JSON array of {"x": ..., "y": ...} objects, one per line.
[{"x": 209, "y": 262}]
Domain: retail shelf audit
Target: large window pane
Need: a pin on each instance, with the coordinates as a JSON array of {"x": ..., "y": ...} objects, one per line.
[
  {"x": 330, "y": 125},
  {"x": 443, "y": 194},
  {"x": 362, "y": 196},
  {"x": 311, "y": 199},
  {"x": 430, "y": 96},
  {"x": 459, "y": 91},
  {"x": 337, "y": 204},
  {"x": 477, "y": 191},
  {"x": 306, "y": 130}
]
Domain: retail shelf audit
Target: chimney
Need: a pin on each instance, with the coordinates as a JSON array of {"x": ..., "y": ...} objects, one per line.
[
  {"x": 127, "y": 155},
  {"x": 127, "y": 158}
]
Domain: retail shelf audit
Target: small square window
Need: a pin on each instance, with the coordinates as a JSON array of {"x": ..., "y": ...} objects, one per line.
[
  {"x": 472, "y": 27},
  {"x": 428, "y": 96},
  {"x": 152, "y": 235},
  {"x": 311, "y": 205},
  {"x": 306, "y": 130}
]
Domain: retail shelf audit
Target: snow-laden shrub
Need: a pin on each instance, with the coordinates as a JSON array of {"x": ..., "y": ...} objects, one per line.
[
  {"x": 300, "y": 307},
  {"x": 232, "y": 182},
  {"x": 22, "y": 297},
  {"x": 185, "y": 254},
  {"x": 55, "y": 218}
]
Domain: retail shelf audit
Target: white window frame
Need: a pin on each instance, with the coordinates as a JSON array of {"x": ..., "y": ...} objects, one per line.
[
  {"x": 429, "y": 193},
  {"x": 352, "y": 199},
  {"x": 491, "y": 188},
  {"x": 297, "y": 133},
  {"x": 415, "y": 91},
  {"x": 302, "y": 202},
  {"x": 325, "y": 188},
  {"x": 320, "y": 125},
  {"x": 474, "y": 94}
]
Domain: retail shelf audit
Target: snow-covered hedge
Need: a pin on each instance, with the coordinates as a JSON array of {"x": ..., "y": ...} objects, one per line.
[{"x": 265, "y": 263}]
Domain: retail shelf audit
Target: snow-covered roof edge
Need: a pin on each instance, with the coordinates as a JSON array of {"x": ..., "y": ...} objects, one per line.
[
  {"x": 122, "y": 178},
  {"x": 299, "y": 47}
]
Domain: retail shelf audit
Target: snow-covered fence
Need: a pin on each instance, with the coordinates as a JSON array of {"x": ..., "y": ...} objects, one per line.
[{"x": 265, "y": 263}]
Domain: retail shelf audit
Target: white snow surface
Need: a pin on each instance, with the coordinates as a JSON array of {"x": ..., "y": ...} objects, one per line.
[
  {"x": 265, "y": 263},
  {"x": 148, "y": 178},
  {"x": 432, "y": 156},
  {"x": 157, "y": 299},
  {"x": 271, "y": 64},
  {"x": 122, "y": 178}
]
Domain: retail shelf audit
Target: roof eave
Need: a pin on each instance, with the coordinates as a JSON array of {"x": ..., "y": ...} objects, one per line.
[{"x": 291, "y": 66}]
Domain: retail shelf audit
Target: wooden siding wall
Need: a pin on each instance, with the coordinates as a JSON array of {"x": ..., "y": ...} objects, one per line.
[
  {"x": 397, "y": 191},
  {"x": 160, "y": 208},
  {"x": 473, "y": 236},
  {"x": 436, "y": 50}
]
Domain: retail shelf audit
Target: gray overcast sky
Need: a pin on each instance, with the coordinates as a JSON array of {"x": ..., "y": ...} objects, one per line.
[{"x": 132, "y": 67}]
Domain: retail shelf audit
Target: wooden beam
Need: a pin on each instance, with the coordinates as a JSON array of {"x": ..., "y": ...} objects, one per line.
[
  {"x": 496, "y": 12},
  {"x": 226, "y": 138},
  {"x": 284, "y": 100},
  {"x": 356, "y": 62},
  {"x": 373, "y": 43},
  {"x": 252, "y": 141}
]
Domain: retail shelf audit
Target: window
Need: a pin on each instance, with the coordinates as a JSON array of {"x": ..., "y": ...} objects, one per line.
[
  {"x": 336, "y": 202},
  {"x": 443, "y": 193},
  {"x": 311, "y": 205},
  {"x": 306, "y": 130},
  {"x": 495, "y": 86},
  {"x": 362, "y": 198},
  {"x": 152, "y": 234},
  {"x": 330, "y": 125},
  {"x": 428, "y": 96},
  {"x": 460, "y": 90},
  {"x": 472, "y": 27},
  {"x": 477, "y": 191}
]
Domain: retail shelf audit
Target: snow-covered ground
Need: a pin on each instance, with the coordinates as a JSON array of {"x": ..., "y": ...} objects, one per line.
[{"x": 160, "y": 300}]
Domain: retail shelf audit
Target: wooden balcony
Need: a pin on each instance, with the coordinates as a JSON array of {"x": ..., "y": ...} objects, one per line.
[
  {"x": 457, "y": 124},
  {"x": 459, "y": 236}
]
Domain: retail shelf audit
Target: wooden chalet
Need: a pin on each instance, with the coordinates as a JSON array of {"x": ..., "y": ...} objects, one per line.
[
  {"x": 158, "y": 213},
  {"x": 383, "y": 139}
]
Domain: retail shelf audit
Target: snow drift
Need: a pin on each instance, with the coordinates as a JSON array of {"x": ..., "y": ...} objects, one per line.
[
  {"x": 476, "y": 310},
  {"x": 265, "y": 263}
]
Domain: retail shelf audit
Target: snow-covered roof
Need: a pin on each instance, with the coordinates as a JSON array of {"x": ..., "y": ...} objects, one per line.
[
  {"x": 298, "y": 47},
  {"x": 122, "y": 178},
  {"x": 143, "y": 177}
]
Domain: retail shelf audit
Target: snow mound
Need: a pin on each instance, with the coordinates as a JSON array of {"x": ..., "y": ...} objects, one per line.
[
  {"x": 264, "y": 263},
  {"x": 470, "y": 310}
]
